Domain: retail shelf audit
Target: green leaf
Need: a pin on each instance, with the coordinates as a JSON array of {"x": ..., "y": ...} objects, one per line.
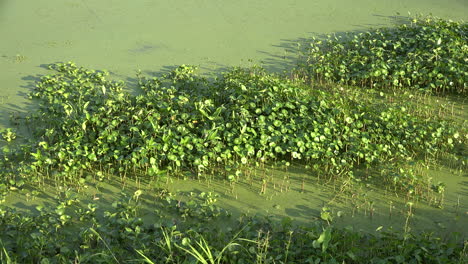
[{"x": 323, "y": 239}]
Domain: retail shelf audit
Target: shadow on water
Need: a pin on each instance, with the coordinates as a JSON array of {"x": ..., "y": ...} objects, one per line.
[
  {"x": 291, "y": 51},
  {"x": 131, "y": 81},
  {"x": 212, "y": 71},
  {"x": 146, "y": 48},
  {"x": 12, "y": 113},
  {"x": 165, "y": 70},
  {"x": 395, "y": 20},
  {"x": 463, "y": 188},
  {"x": 302, "y": 211}
]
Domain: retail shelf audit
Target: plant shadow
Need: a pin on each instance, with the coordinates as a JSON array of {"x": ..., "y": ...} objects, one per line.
[{"x": 289, "y": 53}]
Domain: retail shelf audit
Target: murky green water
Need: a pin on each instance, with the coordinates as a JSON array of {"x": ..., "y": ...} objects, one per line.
[
  {"x": 154, "y": 35},
  {"x": 365, "y": 208}
]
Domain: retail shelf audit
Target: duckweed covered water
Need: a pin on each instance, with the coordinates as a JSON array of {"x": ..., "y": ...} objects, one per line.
[
  {"x": 368, "y": 209},
  {"x": 123, "y": 37}
]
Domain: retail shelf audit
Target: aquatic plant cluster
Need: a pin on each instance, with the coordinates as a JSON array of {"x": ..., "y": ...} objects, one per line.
[
  {"x": 86, "y": 124},
  {"x": 73, "y": 233},
  {"x": 425, "y": 53},
  {"x": 86, "y": 129}
]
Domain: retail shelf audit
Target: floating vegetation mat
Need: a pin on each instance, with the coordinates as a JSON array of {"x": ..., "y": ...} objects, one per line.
[
  {"x": 236, "y": 128},
  {"x": 86, "y": 126},
  {"x": 428, "y": 54}
]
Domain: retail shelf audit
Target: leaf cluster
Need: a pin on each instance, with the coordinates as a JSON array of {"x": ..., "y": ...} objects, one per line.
[
  {"x": 425, "y": 54},
  {"x": 183, "y": 122}
]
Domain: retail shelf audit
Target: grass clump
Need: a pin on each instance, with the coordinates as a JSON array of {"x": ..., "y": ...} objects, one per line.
[{"x": 427, "y": 54}]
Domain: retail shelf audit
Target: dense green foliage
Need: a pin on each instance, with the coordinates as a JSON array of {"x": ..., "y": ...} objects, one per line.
[
  {"x": 426, "y": 53},
  {"x": 73, "y": 233},
  {"x": 87, "y": 128},
  {"x": 183, "y": 122}
]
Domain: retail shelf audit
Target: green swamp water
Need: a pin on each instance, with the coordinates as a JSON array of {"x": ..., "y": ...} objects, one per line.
[
  {"x": 155, "y": 35},
  {"x": 367, "y": 208}
]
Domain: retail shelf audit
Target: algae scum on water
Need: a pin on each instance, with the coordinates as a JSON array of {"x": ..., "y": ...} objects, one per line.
[{"x": 359, "y": 155}]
